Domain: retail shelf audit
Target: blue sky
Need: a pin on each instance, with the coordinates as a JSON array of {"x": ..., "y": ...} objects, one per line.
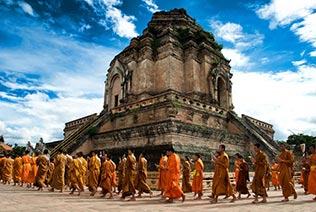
[{"x": 54, "y": 56}]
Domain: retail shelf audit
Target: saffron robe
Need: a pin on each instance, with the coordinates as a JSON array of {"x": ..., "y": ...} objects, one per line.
[
  {"x": 17, "y": 169},
  {"x": 58, "y": 180},
  {"x": 129, "y": 178},
  {"x": 162, "y": 172},
  {"x": 197, "y": 183},
  {"x": 286, "y": 173},
  {"x": 305, "y": 175},
  {"x": 140, "y": 181},
  {"x": 7, "y": 169},
  {"x": 120, "y": 174},
  {"x": 42, "y": 162},
  {"x": 222, "y": 185},
  {"x": 114, "y": 174},
  {"x": 186, "y": 173},
  {"x": 312, "y": 175},
  {"x": 27, "y": 161},
  {"x": 275, "y": 174},
  {"x": 238, "y": 162},
  {"x": 94, "y": 172},
  {"x": 172, "y": 189},
  {"x": 50, "y": 172},
  {"x": 258, "y": 182},
  {"x": 74, "y": 174},
  {"x": 107, "y": 175},
  {"x": 243, "y": 178}
]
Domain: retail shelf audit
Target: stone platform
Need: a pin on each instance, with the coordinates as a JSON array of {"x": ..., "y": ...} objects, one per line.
[{"x": 29, "y": 200}]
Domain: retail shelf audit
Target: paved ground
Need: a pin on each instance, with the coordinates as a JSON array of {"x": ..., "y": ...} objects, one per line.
[{"x": 29, "y": 200}]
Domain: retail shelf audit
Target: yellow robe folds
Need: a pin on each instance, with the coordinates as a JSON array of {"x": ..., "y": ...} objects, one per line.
[
  {"x": 26, "y": 160},
  {"x": 172, "y": 189},
  {"x": 7, "y": 169},
  {"x": 120, "y": 174},
  {"x": 107, "y": 176},
  {"x": 114, "y": 174},
  {"x": 162, "y": 172},
  {"x": 83, "y": 171},
  {"x": 129, "y": 178},
  {"x": 186, "y": 172},
  {"x": 141, "y": 177},
  {"x": 17, "y": 170},
  {"x": 261, "y": 165},
  {"x": 285, "y": 176},
  {"x": 42, "y": 163},
  {"x": 94, "y": 172},
  {"x": 58, "y": 181},
  {"x": 221, "y": 181},
  {"x": 275, "y": 174},
  {"x": 312, "y": 175},
  {"x": 75, "y": 178},
  {"x": 197, "y": 183},
  {"x": 50, "y": 172}
]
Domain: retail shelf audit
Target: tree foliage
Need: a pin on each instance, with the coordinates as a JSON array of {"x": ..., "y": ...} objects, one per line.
[
  {"x": 297, "y": 139},
  {"x": 18, "y": 150}
]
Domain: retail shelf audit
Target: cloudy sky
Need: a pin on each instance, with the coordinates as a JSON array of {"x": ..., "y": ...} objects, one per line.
[{"x": 54, "y": 56}]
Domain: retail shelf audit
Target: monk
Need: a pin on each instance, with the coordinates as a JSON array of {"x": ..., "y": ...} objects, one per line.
[
  {"x": 172, "y": 189},
  {"x": 120, "y": 173},
  {"x": 107, "y": 176},
  {"x": 236, "y": 164},
  {"x": 243, "y": 177},
  {"x": 17, "y": 170},
  {"x": 286, "y": 162},
  {"x": 222, "y": 185},
  {"x": 33, "y": 171},
  {"x": 74, "y": 175},
  {"x": 162, "y": 172},
  {"x": 7, "y": 169},
  {"x": 268, "y": 178},
  {"x": 50, "y": 171},
  {"x": 141, "y": 176},
  {"x": 275, "y": 175},
  {"x": 67, "y": 174},
  {"x": 260, "y": 163},
  {"x": 186, "y": 175},
  {"x": 114, "y": 174},
  {"x": 94, "y": 172},
  {"x": 216, "y": 172},
  {"x": 83, "y": 171},
  {"x": 197, "y": 183},
  {"x": 58, "y": 180},
  {"x": 305, "y": 169},
  {"x": 1, "y": 166},
  {"x": 27, "y": 161},
  {"x": 129, "y": 178},
  {"x": 42, "y": 163},
  {"x": 312, "y": 173}
]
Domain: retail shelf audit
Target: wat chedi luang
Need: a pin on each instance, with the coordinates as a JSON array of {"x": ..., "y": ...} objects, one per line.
[{"x": 170, "y": 87}]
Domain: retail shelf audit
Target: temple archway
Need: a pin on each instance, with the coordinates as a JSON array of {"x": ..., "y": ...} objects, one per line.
[
  {"x": 222, "y": 97},
  {"x": 116, "y": 93}
]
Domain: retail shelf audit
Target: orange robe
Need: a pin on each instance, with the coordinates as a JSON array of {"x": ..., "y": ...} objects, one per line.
[
  {"x": 275, "y": 174},
  {"x": 7, "y": 169},
  {"x": 83, "y": 173},
  {"x": 114, "y": 174},
  {"x": 140, "y": 182},
  {"x": 197, "y": 183},
  {"x": 285, "y": 176},
  {"x": 186, "y": 173},
  {"x": 33, "y": 171},
  {"x": 312, "y": 175},
  {"x": 27, "y": 161},
  {"x": 305, "y": 175},
  {"x": 107, "y": 175},
  {"x": 261, "y": 166},
  {"x": 50, "y": 172},
  {"x": 172, "y": 189},
  {"x": 120, "y": 174},
  {"x": 17, "y": 169},
  {"x": 238, "y": 162},
  {"x": 129, "y": 177},
  {"x": 58, "y": 180},
  {"x": 162, "y": 172},
  {"x": 1, "y": 166},
  {"x": 221, "y": 181},
  {"x": 42, "y": 162},
  {"x": 74, "y": 173},
  {"x": 94, "y": 172}
]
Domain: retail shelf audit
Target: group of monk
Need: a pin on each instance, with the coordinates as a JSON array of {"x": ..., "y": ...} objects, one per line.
[{"x": 75, "y": 172}]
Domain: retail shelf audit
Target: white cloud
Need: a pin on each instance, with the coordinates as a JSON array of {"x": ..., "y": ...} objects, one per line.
[
  {"x": 312, "y": 54},
  {"x": 238, "y": 59},
  {"x": 299, "y": 14},
  {"x": 151, "y": 6},
  {"x": 299, "y": 62},
  {"x": 285, "y": 99},
  {"x": 27, "y": 8}
]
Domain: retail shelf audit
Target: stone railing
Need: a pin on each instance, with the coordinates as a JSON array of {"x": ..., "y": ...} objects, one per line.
[{"x": 258, "y": 122}]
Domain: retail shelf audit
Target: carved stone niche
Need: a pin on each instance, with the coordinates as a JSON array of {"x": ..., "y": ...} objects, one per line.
[{"x": 171, "y": 111}]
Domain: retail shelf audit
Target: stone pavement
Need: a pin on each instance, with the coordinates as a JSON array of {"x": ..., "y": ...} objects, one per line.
[{"x": 30, "y": 200}]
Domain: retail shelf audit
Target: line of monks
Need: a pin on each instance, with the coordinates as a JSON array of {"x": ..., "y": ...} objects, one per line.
[{"x": 75, "y": 172}]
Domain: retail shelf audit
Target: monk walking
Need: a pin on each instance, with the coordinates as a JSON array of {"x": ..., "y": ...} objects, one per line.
[
  {"x": 172, "y": 189},
  {"x": 260, "y": 163},
  {"x": 7, "y": 168},
  {"x": 305, "y": 170},
  {"x": 114, "y": 174},
  {"x": 222, "y": 185},
  {"x": 129, "y": 177},
  {"x": 236, "y": 165},
  {"x": 17, "y": 170},
  {"x": 286, "y": 162},
  {"x": 58, "y": 180},
  {"x": 26, "y": 160},
  {"x": 120, "y": 173},
  {"x": 75, "y": 175},
  {"x": 197, "y": 183},
  {"x": 50, "y": 172},
  {"x": 312, "y": 173},
  {"x": 162, "y": 172},
  {"x": 42, "y": 163},
  {"x": 141, "y": 176},
  {"x": 107, "y": 176},
  {"x": 94, "y": 172},
  {"x": 186, "y": 175},
  {"x": 243, "y": 177},
  {"x": 275, "y": 175},
  {"x": 83, "y": 171}
]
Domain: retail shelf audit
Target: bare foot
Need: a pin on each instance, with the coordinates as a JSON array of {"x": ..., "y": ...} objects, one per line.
[
  {"x": 295, "y": 195},
  {"x": 183, "y": 197}
]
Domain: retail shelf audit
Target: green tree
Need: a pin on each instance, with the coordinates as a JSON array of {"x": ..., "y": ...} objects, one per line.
[
  {"x": 18, "y": 150},
  {"x": 297, "y": 139}
]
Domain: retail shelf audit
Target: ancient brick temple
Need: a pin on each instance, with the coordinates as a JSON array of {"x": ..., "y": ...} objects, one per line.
[{"x": 170, "y": 87}]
